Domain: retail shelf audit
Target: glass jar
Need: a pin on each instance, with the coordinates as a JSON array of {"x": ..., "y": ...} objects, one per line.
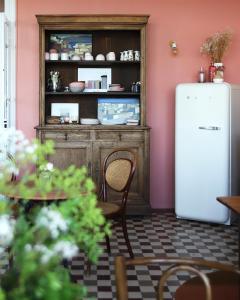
[{"x": 219, "y": 71}]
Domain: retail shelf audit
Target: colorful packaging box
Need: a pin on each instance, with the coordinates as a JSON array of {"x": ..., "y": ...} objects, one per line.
[{"x": 113, "y": 111}]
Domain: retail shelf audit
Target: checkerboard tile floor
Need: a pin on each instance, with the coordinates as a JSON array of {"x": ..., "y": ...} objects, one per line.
[{"x": 158, "y": 234}]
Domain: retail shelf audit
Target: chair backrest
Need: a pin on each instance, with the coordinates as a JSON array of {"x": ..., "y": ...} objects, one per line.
[
  {"x": 10, "y": 159},
  {"x": 176, "y": 264},
  {"x": 118, "y": 169}
]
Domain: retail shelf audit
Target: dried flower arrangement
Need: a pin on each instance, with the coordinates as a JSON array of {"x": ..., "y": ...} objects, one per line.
[{"x": 216, "y": 45}]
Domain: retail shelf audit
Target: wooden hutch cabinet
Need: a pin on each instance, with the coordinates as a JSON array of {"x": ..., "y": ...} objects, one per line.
[{"x": 88, "y": 144}]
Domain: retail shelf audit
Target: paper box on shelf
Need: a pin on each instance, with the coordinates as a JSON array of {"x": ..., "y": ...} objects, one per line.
[{"x": 113, "y": 111}]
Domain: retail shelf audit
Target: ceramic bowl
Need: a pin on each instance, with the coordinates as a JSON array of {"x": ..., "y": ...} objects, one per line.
[
  {"x": 77, "y": 86},
  {"x": 100, "y": 57},
  {"x": 75, "y": 57}
]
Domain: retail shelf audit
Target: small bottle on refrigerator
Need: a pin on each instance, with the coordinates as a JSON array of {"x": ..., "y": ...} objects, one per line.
[
  {"x": 211, "y": 72},
  {"x": 201, "y": 75}
]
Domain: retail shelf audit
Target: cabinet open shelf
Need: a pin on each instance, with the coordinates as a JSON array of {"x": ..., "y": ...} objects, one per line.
[
  {"x": 94, "y": 93},
  {"x": 91, "y": 63}
]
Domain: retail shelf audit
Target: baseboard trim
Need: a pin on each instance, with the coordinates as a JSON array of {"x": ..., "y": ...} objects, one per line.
[{"x": 162, "y": 210}]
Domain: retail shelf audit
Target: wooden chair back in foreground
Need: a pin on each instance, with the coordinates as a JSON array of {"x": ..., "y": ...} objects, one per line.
[
  {"x": 206, "y": 287},
  {"x": 117, "y": 174},
  {"x": 11, "y": 162}
]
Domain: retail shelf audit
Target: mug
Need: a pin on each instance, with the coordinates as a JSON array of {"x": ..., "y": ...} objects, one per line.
[
  {"x": 47, "y": 56},
  {"x": 130, "y": 55},
  {"x": 64, "y": 56},
  {"x": 53, "y": 56},
  {"x": 136, "y": 55},
  {"x": 125, "y": 55}
]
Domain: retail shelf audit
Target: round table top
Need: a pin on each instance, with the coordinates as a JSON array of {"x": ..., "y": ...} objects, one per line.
[{"x": 38, "y": 196}]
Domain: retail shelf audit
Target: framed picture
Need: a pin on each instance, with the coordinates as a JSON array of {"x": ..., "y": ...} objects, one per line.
[
  {"x": 70, "y": 110},
  {"x": 74, "y": 43},
  {"x": 94, "y": 80}
]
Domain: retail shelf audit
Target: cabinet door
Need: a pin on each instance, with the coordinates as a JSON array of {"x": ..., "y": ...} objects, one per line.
[
  {"x": 71, "y": 148},
  {"x": 137, "y": 194},
  {"x": 72, "y": 153}
]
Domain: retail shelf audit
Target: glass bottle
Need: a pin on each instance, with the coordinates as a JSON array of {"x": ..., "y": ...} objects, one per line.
[
  {"x": 211, "y": 72},
  {"x": 201, "y": 75}
]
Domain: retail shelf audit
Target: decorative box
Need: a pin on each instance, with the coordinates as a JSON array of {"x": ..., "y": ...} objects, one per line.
[{"x": 113, "y": 111}]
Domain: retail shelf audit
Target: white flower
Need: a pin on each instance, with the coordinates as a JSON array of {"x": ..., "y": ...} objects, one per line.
[
  {"x": 52, "y": 220},
  {"x": 47, "y": 254},
  {"x": 6, "y": 230},
  {"x": 28, "y": 247},
  {"x": 66, "y": 249},
  {"x": 49, "y": 167},
  {"x": 30, "y": 149}
]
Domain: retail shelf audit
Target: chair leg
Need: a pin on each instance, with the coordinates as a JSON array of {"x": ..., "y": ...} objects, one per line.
[
  {"x": 108, "y": 244},
  {"x": 10, "y": 257},
  {"x": 88, "y": 267},
  {"x": 125, "y": 233}
]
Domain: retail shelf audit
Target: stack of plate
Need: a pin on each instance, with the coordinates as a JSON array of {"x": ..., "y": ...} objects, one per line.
[
  {"x": 88, "y": 121},
  {"x": 116, "y": 87}
]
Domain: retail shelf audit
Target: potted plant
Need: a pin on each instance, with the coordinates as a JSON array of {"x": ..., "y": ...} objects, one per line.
[
  {"x": 215, "y": 47},
  {"x": 39, "y": 240}
]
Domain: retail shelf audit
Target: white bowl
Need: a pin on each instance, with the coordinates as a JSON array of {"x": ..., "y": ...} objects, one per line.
[
  {"x": 75, "y": 57},
  {"x": 100, "y": 57}
]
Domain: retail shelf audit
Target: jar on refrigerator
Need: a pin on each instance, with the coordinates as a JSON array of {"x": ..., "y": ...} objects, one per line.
[{"x": 219, "y": 71}]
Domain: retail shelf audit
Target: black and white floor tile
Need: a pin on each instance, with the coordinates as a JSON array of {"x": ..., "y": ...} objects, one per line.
[{"x": 159, "y": 234}]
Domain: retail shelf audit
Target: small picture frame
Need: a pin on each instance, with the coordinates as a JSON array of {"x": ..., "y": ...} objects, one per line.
[{"x": 66, "y": 111}]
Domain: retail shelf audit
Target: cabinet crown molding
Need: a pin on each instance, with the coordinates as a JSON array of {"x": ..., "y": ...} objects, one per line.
[{"x": 99, "y": 19}]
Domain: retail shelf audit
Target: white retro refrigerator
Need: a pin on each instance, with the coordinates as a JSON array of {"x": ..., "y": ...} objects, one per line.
[{"x": 207, "y": 149}]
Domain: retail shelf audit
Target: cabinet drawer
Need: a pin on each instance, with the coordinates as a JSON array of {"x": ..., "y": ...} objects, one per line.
[
  {"x": 67, "y": 136},
  {"x": 120, "y": 135}
]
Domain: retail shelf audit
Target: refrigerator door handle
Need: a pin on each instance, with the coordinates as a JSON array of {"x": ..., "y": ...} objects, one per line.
[{"x": 209, "y": 127}]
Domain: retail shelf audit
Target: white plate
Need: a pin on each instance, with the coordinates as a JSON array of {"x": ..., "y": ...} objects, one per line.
[
  {"x": 88, "y": 121},
  {"x": 112, "y": 122}
]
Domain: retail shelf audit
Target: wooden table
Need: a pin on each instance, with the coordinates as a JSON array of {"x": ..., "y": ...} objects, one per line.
[
  {"x": 36, "y": 199},
  {"x": 50, "y": 196},
  {"x": 233, "y": 202}
]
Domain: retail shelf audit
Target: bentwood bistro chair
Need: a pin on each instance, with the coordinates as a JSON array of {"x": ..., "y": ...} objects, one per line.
[
  {"x": 222, "y": 284},
  {"x": 117, "y": 173}
]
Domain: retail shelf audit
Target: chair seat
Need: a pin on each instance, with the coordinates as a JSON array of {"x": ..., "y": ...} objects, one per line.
[
  {"x": 225, "y": 285},
  {"x": 108, "y": 208}
]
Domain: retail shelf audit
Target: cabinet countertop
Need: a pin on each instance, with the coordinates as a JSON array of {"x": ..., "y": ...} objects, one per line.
[{"x": 90, "y": 127}]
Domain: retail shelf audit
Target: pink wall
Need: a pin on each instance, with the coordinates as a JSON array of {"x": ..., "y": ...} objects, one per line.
[{"x": 188, "y": 22}]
